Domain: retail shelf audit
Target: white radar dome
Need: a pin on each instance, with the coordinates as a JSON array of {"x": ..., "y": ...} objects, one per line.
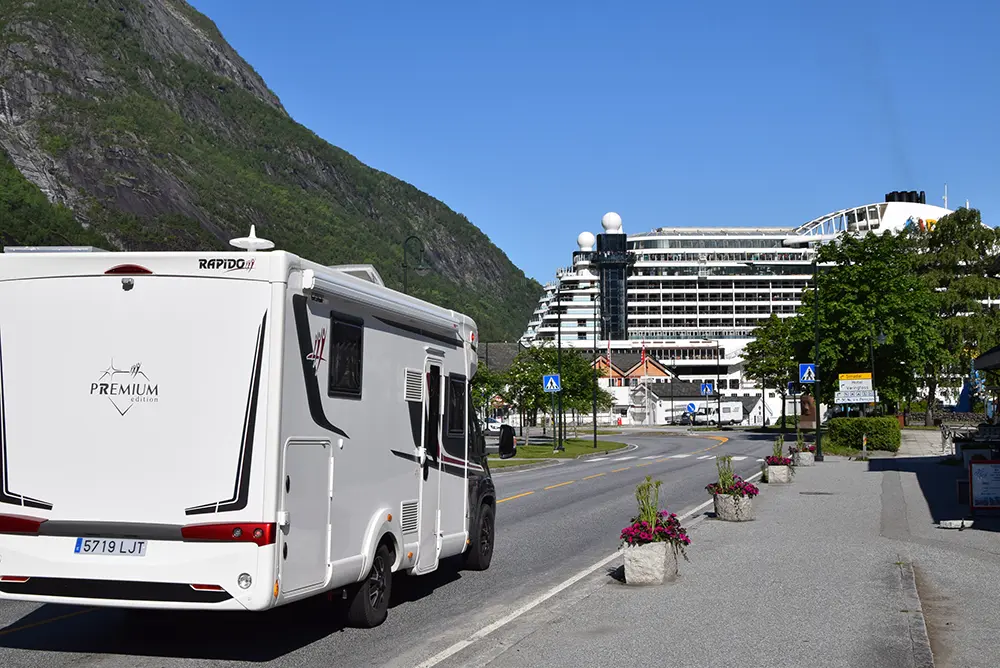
[
  {"x": 586, "y": 241},
  {"x": 612, "y": 223}
]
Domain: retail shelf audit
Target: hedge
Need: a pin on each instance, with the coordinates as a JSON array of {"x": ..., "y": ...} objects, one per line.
[{"x": 883, "y": 432}]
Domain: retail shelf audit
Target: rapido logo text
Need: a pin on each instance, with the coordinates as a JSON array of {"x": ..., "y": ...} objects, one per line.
[{"x": 226, "y": 264}]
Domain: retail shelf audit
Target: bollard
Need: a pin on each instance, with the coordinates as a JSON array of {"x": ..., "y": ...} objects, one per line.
[{"x": 864, "y": 446}]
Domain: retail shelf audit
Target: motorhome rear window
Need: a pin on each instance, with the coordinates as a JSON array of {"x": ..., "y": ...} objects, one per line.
[
  {"x": 347, "y": 337},
  {"x": 456, "y": 405}
]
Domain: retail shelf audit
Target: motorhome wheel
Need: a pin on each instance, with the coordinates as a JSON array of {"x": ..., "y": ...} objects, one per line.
[
  {"x": 480, "y": 552},
  {"x": 369, "y": 604}
]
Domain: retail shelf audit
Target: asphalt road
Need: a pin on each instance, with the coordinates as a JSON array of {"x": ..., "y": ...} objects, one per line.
[{"x": 552, "y": 522}]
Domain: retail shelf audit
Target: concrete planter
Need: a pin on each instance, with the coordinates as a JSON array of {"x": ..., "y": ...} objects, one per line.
[
  {"x": 733, "y": 508},
  {"x": 779, "y": 474},
  {"x": 804, "y": 458},
  {"x": 650, "y": 564}
]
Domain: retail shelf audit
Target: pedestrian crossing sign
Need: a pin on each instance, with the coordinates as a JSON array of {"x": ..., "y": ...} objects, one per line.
[
  {"x": 550, "y": 383},
  {"x": 807, "y": 373}
]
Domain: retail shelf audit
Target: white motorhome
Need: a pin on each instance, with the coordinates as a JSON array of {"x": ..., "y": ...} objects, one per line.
[{"x": 230, "y": 431}]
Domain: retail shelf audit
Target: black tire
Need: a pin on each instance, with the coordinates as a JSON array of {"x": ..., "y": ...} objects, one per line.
[
  {"x": 480, "y": 552},
  {"x": 369, "y": 600}
]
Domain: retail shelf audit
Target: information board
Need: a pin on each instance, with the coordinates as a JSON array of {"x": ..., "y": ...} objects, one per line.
[{"x": 984, "y": 484}]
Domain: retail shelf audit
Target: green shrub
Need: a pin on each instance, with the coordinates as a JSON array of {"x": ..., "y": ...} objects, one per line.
[{"x": 883, "y": 432}]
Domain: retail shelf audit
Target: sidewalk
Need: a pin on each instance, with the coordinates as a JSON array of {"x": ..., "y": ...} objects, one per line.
[
  {"x": 824, "y": 576},
  {"x": 920, "y": 443}
]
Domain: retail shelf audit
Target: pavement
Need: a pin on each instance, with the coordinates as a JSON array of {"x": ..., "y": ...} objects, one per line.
[
  {"x": 920, "y": 443},
  {"x": 845, "y": 566}
]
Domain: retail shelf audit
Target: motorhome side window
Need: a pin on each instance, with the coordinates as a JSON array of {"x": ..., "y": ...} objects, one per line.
[
  {"x": 456, "y": 405},
  {"x": 347, "y": 337}
]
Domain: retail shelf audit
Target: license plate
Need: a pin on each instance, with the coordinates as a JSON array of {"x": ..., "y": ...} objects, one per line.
[{"x": 111, "y": 546}]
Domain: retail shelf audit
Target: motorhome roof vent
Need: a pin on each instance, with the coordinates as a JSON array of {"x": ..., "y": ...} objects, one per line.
[
  {"x": 52, "y": 249},
  {"x": 253, "y": 242},
  {"x": 363, "y": 271}
]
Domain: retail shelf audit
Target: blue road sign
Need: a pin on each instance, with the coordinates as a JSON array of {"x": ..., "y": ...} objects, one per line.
[
  {"x": 691, "y": 408},
  {"x": 807, "y": 373},
  {"x": 706, "y": 389},
  {"x": 551, "y": 383},
  {"x": 791, "y": 387}
]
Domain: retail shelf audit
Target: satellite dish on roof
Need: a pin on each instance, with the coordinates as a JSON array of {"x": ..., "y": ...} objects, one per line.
[{"x": 252, "y": 242}]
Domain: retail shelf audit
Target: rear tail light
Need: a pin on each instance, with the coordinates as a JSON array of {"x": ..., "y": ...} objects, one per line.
[
  {"x": 21, "y": 524},
  {"x": 128, "y": 269},
  {"x": 13, "y": 578},
  {"x": 261, "y": 534},
  {"x": 207, "y": 588}
]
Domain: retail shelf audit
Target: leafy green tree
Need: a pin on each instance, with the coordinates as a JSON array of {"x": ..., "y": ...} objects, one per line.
[
  {"x": 957, "y": 261},
  {"x": 486, "y": 385},
  {"x": 524, "y": 381},
  {"x": 769, "y": 358},
  {"x": 875, "y": 313}
]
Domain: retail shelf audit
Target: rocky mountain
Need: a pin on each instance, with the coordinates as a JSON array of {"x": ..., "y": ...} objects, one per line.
[{"x": 143, "y": 129}]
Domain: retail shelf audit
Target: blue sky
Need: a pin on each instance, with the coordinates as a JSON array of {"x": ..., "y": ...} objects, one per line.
[{"x": 535, "y": 118}]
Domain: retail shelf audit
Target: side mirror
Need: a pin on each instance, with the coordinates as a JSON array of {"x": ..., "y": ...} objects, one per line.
[{"x": 508, "y": 448}]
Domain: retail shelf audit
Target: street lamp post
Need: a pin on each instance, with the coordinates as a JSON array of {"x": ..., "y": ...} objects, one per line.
[
  {"x": 871, "y": 349},
  {"x": 559, "y": 423},
  {"x": 819, "y": 374},
  {"x": 420, "y": 267},
  {"x": 718, "y": 394},
  {"x": 595, "y": 370}
]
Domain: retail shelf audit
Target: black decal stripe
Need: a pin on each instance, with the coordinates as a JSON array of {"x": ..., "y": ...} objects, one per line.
[
  {"x": 440, "y": 338},
  {"x": 7, "y": 496},
  {"x": 451, "y": 469},
  {"x": 416, "y": 411},
  {"x": 313, "y": 396},
  {"x": 241, "y": 488}
]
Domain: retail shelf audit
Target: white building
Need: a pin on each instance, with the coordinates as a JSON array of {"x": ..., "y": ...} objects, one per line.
[{"x": 693, "y": 295}]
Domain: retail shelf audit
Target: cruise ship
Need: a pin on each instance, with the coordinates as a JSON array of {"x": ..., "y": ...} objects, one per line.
[{"x": 690, "y": 297}]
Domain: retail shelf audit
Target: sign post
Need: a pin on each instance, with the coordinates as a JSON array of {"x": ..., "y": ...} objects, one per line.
[{"x": 551, "y": 384}]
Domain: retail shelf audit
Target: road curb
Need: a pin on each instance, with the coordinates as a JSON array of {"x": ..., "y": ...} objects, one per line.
[
  {"x": 540, "y": 463},
  {"x": 920, "y": 643},
  {"x": 630, "y": 447}
]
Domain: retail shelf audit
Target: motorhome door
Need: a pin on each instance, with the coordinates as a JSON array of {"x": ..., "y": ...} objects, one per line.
[{"x": 430, "y": 471}]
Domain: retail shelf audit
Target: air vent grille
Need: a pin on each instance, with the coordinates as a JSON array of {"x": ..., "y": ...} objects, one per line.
[
  {"x": 408, "y": 517},
  {"x": 413, "y": 385}
]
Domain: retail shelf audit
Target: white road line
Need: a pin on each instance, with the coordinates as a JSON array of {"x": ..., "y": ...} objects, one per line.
[
  {"x": 596, "y": 459},
  {"x": 707, "y": 457},
  {"x": 739, "y": 459},
  {"x": 621, "y": 459},
  {"x": 652, "y": 457},
  {"x": 760, "y": 460},
  {"x": 503, "y": 621},
  {"x": 679, "y": 456}
]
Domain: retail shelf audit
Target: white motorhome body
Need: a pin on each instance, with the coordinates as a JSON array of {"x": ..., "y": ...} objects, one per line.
[{"x": 230, "y": 431}]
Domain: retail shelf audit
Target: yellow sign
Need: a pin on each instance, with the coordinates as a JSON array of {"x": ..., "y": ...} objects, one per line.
[{"x": 856, "y": 376}]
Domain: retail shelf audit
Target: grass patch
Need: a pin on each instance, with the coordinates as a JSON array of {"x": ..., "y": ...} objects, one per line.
[
  {"x": 574, "y": 448},
  {"x": 841, "y": 451}
]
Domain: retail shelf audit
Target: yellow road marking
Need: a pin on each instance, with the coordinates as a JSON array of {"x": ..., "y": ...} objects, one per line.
[
  {"x": 624, "y": 469},
  {"x": 570, "y": 482},
  {"x": 662, "y": 460},
  {"x": 45, "y": 621},
  {"x": 516, "y": 496},
  {"x": 644, "y": 464},
  {"x": 596, "y": 475}
]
